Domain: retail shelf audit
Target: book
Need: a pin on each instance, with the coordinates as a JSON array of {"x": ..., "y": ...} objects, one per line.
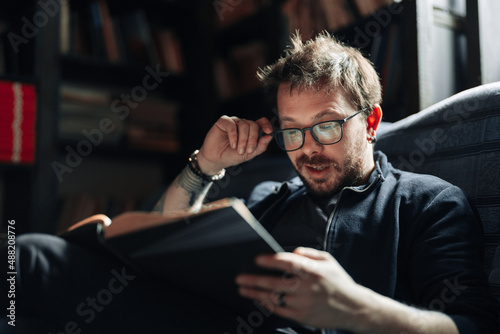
[
  {"x": 17, "y": 122},
  {"x": 97, "y": 41},
  {"x": 169, "y": 50},
  {"x": 230, "y": 12},
  {"x": 110, "y": 41},
  {"x": 201, "y": 252},
  {"x": 153, "y": 125},
  {"x": 311, "y": 17},
  {"x": 138, "y": 41},
  {"x": 65, "y": 27}
]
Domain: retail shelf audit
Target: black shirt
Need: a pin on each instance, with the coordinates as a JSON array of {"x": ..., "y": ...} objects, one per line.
[{"x": 304, "y": 223}]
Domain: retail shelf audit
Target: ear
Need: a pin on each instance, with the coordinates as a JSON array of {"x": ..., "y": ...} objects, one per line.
[{"x": 373, "y": 120}]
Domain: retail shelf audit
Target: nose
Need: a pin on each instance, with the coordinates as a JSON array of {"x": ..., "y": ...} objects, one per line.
[{"x": 311, "y": 146}]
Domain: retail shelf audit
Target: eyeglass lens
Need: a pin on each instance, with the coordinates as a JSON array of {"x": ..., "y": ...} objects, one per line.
[{"x": 325, "y": 133}]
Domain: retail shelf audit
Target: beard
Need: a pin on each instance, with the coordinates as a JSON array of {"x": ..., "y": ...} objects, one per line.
[{"x": 345, "y": 174}]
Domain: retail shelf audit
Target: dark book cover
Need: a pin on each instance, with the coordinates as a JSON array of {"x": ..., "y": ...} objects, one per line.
[{"x": 202, "y": 253}]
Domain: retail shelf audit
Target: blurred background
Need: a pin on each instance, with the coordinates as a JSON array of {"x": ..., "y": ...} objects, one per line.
[{"x": 102, "y": 101}]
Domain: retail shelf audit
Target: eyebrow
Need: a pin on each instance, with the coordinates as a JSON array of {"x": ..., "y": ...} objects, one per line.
[{"x": 314, "y": 118}]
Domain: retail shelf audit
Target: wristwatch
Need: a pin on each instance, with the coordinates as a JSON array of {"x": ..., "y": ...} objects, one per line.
[{"x": 195, "y": 168}]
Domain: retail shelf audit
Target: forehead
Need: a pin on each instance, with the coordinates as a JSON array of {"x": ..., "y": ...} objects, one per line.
[{"x": 310, "y": 104}]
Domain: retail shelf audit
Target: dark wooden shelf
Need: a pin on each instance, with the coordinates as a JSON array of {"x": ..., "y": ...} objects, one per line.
[
  {"x": 252, "y": 28},
  {"x": 97, "y": 72},
  {"x": 6, "y": 167},
  {"x": 15, "y": 10},
  {"x": 20, "y": 78},
  {"x": 122, "y": 150}
]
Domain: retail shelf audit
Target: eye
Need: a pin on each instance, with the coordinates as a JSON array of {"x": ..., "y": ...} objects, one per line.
[
  {"x": 327, "y": 132},
  {"x": 293, "y": 135},
  {"x": 326, "y": 127}
]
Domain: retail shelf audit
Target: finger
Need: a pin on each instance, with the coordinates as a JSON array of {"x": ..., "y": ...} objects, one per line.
[
  {"x": 270, "y": 299},
  {"x": 260, "y": 294},
  {"x": 253, "y": 137},
  {"x": 265, "y": 125},
  {"x": 268, "y": 283},
  {"x": 243, "y": 133},
  {"x": 286, "y": 311},
  {"x": 312, "y": 253},
  {"x": 229, "y": 125},
  {"x": 286, "y": 262}
]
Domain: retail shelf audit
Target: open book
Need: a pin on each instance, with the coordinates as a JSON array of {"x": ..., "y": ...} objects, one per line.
[{"x": 201, "y": 252}]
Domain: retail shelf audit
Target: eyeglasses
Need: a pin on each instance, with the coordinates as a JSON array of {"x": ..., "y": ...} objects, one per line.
[{"x": 325, "y": 133}]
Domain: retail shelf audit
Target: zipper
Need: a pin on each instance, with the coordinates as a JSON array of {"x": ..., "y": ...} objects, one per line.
[{"x": 330, "y": 218}]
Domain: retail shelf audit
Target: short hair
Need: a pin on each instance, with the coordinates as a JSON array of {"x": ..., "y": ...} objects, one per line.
[{"x": 324, "y": 63}]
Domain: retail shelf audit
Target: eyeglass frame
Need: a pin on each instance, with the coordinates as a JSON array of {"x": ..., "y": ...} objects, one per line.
[{"x": 340, "y": 122}]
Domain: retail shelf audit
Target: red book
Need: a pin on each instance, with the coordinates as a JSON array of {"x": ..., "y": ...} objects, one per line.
[{"x": 17, "y": 122}]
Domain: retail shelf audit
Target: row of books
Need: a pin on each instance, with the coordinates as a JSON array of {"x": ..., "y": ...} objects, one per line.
[
  {"x": 235, "y": 72},
  {"x": 230, "y": 12},
  {"x": 101, "y": 117},
  {"x": 305, "y": 15},
  {"x": 93, "y": 30},
  {"x": 17, "y": 122},
  {"x": 312, "y": 16}
]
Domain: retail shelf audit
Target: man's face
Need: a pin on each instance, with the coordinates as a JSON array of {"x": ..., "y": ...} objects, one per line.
[{"x": 326, "y": 169}]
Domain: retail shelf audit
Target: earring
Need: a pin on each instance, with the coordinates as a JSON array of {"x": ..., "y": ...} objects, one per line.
[{"x": 373, "y": 139}]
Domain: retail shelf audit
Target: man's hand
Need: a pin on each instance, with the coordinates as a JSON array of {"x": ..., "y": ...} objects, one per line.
[
  {"x": 231, "y": 141},
  {"x": 317, "y": 291}
]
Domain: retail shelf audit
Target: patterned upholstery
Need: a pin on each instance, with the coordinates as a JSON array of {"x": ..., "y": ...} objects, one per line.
[{"x": 457, "y": 139}]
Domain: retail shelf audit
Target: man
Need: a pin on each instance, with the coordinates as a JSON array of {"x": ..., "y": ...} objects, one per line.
[
  {"x": 404, "y": 237},
  {"x": 394, "y": 245}
]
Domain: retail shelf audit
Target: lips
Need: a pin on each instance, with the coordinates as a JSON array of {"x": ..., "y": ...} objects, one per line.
[
  {"x": 317, "y": 167},
  {"x": 317, "y": 171}
]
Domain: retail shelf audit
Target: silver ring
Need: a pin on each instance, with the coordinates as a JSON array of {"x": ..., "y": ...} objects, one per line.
[{"x": 281, "y": 299}]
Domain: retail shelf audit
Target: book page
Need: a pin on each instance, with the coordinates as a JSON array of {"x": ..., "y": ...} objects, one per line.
[{"x": 136, "y": 220}]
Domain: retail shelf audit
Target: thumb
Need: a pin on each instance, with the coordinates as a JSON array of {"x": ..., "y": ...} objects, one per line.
[{"x": 263, "y": 144}]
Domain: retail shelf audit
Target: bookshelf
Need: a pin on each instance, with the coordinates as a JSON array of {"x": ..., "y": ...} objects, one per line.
[
  {"x": 122, "y": 92},
  {"x": 107, "y": 122},
  {"x": 17, "y": 72},
  {"x": 127, "y": 90}
]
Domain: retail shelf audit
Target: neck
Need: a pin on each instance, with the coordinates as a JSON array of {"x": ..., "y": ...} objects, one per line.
[{"x": 369, "y": 165}]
